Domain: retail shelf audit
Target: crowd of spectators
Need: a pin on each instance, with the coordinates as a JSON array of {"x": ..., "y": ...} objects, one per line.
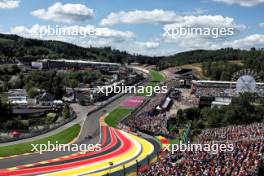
[
  {"x": 240, "y": 132},
  {"x": 220, "y": 91},
  {"x": 190, "y": 101},
  {"x": 212, "y": 91},
  {"x": 156, "y": 125},
  {"x": 153, "y": 103},
  {"x": 245, "y": 159},
  {"x": 151, "y": 118}
]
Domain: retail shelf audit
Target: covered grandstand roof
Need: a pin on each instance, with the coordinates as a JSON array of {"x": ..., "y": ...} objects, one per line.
[
  {"x": 166, "y": 103},
  {"x": 80, "y": 62},
  {"x": 219, "y": 82}
]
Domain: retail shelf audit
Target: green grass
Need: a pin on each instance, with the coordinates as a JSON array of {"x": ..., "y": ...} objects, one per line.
[
  {"x": 116, "y": 116},
  {"x": 178, "y": 139},
  {"x": 175, "y": 141},
  {"x": 3, "y": 97},
  {"x": 145, "y": 92},
  {"x": 172, "y": 127},
  {"x": 63, "y": 137},
  {"x": 6, "y": 41},
  {"x": 155, "y": 78}
]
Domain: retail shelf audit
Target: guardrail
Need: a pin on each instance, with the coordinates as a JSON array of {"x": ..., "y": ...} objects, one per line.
[
  {"x": 46, "y": 129},
  {"x": 135, "y": 168},
  {"x": 185, "y": 136}
]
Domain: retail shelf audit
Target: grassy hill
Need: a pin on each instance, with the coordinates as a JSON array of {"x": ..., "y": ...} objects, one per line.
[
  {"x": 197, "y": 70},
  {"x": 199, "y": 73}
]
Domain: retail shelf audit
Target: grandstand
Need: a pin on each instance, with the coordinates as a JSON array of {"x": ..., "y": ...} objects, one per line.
[
  {"x": 245, "y": 159},
  {"x": 78, "y": 64},
  {"x": 220, "y": 88},
  {"x": 153, "y": 117}
]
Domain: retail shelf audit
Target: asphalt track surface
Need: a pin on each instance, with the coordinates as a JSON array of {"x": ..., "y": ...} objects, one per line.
[
  {"x": 91, "y": 127},
  {"x": 121, "y": 144},
  {"x": 109, "y": 146}
]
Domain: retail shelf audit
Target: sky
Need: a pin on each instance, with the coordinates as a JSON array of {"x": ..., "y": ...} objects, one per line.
[{"x": 148, "y": 27}]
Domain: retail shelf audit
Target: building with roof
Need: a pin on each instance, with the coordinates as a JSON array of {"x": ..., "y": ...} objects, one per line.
[
  {"x": 221, "y": 101},
  {"x": 18, "y": 97},
  {"x": 45, "y": 99},
  {"x": 46, "y": 64},
  {"x": 167, "y": 103},
  {"x": 183, "y": 77},
  {"x": 219, "y": 93},
  {"x": 220, "y": 88}
]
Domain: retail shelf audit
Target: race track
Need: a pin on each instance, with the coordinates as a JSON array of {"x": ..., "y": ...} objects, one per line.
[{"x": 119, "y": 148}]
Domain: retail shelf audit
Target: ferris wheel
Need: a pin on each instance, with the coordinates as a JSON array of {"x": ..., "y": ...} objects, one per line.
[{"x": 246, "y": 81}]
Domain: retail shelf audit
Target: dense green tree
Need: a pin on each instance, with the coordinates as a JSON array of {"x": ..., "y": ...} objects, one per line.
[
  {"x": 33, "y": 92},
  {"x": 192, "y": 113},
  {"x": 242, "y": 110},
  {"x": 66, "y": 112}
]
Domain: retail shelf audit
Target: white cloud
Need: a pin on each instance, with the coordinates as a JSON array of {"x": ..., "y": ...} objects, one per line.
[
  {"x": 213, "y": 23},
  {"x": 65, "y": 13},
  {"x": 197, "y": 11},
  {"x": 205, "y": 21},
  {"x": 9, "y": 4},
  {"x": 254, "y": 40},
  {"x": 245, "y": 3},
  {"x": 140, "y": 16},
  {"x": 261, "y": 25},
  {"x": 187, "y": 43},
  {"x": 148, "y": 45},
  {"x": 74, "y": 32},
  {"x": 110, "y": 33},
  {"x": 143, "y": 16},
  {"x": 170, "y": 19},
  {"x": 125, "y": 40}
]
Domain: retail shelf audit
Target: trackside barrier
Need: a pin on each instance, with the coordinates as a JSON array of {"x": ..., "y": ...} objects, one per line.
[
  {"x": 134, "y": 169},
  {"x": 186, "y": 133},
  {"x": 47, "y": 129},
  {"x": 105, "y": 103}
]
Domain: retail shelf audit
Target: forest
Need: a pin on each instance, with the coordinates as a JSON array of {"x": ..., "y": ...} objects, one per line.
[
  {"x": 244, "y": 109},
  {"x": 13, "y": 47}
]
